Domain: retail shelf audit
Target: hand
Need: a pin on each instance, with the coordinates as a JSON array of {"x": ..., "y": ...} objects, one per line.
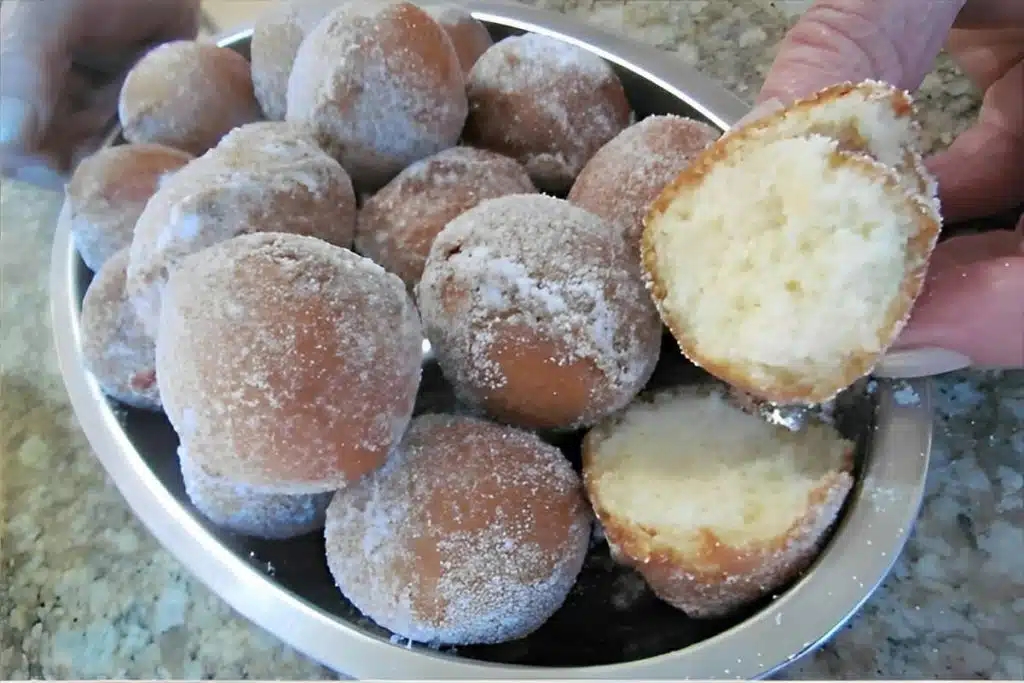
[
  {"x": 971, "y": 312},
  {"x": 62, "y": 63}
]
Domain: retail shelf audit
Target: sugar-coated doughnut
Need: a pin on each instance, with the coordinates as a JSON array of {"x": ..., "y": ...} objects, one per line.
[
  {"x": 115, "y": 347},
  {"x": 252, "y": 510},
  {"x": 266, "y": 176},
  {"x": 187, "y": 95},
  {"x": 397, "y": 225},
  {"x": 471, "y": 533},
  {"x": 276, "y": 37},
  {"x": 547, "y": 103},
  {"x": 622, "y": 180},
  {"x": 537, "y": 312},
  {"x": 287, "y": 362},
  {"x": 468, "y": 35},
  {"x": 107, "y": 193},
  {"x": 381, "y": 86}
]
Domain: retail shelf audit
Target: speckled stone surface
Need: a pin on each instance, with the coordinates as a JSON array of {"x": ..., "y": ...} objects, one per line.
[{"x": 85, "y": 591}]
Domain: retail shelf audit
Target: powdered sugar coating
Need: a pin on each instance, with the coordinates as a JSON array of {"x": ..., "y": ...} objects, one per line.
[
  {"x": 115, "y": 348},
  {"x": 263, "y": 176},
  {"x": 537, "y": 312},
  {"x": 547, "y": 103},
  {"x": 471, "y": 533},
  {"x": 397, "y": 225},
  {"x": 107, "y": 193},
  {"x": 187, "y": 94},
  {"x": 287, "y": 362},
  {"x": 276, "y": 37},
  {"x": 381, "y": 86},
  {"x": 626, "y": 175},
  {"x": 252, "y": 510},
  {"x": 469, "y": 37}
]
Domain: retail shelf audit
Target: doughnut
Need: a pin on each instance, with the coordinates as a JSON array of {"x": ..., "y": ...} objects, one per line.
[
  {"x": 381, "y": 86},
  {"x": 276, "y": 37},
  {"x": 397, "y": 225},
  {"x": 622, "y": 180},
  {"x": 107, "y": 192},
  {"x": 250, "y": 510},
  {"x": 794, "y": 288},
  {"x": 266, "y": 176},
  {"x": 472, "y": 533},
  {"x": 468, "y": 35},
  {"x": 546, "y": 103},
  {"x": 286, "y": 362},
  {"x": 537, "y": 313},
  {"x": 713, "y": 506},
  {"x": 187, "y": 95},
  {"x": 115, "y": 347}
]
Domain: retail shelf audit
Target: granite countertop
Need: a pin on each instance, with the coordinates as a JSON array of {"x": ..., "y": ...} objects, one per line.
[{"x": 86, "y": 592}]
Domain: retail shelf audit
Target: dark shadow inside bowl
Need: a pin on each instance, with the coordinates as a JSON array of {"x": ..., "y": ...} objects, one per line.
[{"x": 609, "y": 617}]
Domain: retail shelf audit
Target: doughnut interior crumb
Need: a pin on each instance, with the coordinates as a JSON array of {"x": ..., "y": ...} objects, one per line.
[
  {"x": 685, "y": 465},
  {"x": 712, "y": 505},
  {"x": 787, "y": 267}
]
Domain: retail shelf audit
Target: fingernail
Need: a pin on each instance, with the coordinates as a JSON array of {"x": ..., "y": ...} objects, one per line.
[
  {"x": 17, "y": 121},
  {"x": 923, "y": 362},
  {"x": 769, "y": 106}
]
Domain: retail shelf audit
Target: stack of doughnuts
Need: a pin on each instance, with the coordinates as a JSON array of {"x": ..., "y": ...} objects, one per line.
[{"x": 278, "y": 239}]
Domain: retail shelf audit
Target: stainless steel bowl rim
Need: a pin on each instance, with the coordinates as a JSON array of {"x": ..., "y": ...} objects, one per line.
[{"x": 870, "y": 536}]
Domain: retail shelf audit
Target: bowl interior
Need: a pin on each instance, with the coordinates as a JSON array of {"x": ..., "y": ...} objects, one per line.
[{"x": 609, "y": 618}]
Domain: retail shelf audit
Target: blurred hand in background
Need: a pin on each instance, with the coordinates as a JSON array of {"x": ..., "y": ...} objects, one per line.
[{"x": 62, "y": 63}]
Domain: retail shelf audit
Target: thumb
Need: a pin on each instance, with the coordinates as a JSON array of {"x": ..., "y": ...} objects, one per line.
[
  {"x": 34, "y": 62},
  {"x": 853, "y": 40}
]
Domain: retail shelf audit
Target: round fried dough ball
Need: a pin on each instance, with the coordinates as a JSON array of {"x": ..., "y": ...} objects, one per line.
[
  {"x": 624, "y": 178},
  {"x": 187, "y": 95},
  {"x": 267, "y": 176},
  {"x": 381, "y": 86},
  {"x": 107, "y": 193},
  {"x": 252, "y": 510},
  {"x": 546, "y": 103},
  {"x": 116, "y": 349},
  {"x": 286, "y": 362},
  {"x": 538, "y": 314},
  {"x": 468, "y": 35},
  {"x": 276, "y": 37},
  {"x": 397, "y": 225},
  {"x": 472, "y": 533}
]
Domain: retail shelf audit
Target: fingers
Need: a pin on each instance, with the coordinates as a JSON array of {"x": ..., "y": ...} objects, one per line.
[
  {"x": 852, "y": 40},
  {"x": 982, "y": 172},
  {"x": 972, "y": 303},
  {"x": 33, "y": 62}
]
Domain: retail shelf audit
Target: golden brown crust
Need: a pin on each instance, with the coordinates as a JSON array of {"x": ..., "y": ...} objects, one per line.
[
  {"x": 109, "y": 190},
  {"x": 275, "y": 41},
  {"x": 287, "y": 363},
  {"x": 115, "y": 347},
  {"x": 397, "y": 226},
  {"x": 381, "y": 87},
  {"x": 469, "y": 37},
  {"x": 545, "y": 103},
  {"x": 718, "y": 578},
  {"x": 187, "y": 95},
  {"x": 471, "y": 533},
  {"x": 791, "y": 387}
]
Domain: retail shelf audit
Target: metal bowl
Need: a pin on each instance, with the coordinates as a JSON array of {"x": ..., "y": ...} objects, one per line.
[{"x": 611, "y": 626}]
